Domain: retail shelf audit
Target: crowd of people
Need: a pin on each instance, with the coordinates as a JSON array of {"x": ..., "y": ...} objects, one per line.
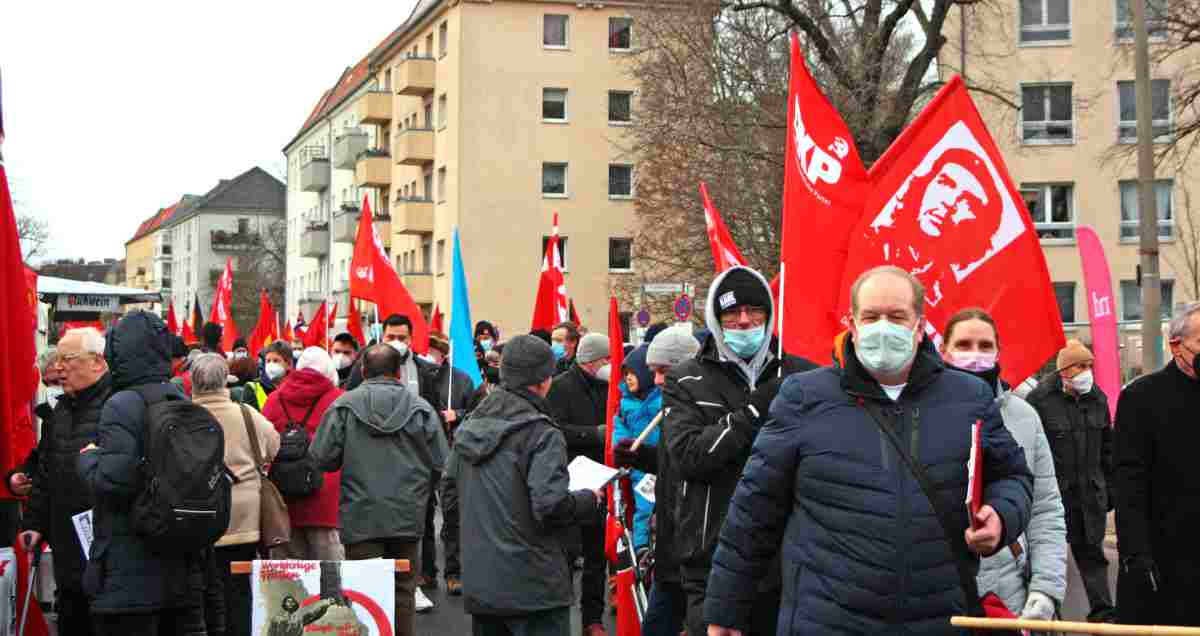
[{"x": 789, "y": 497}]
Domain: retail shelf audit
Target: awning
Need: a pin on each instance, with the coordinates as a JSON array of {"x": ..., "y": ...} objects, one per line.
[{"x": 80, "y": 295}]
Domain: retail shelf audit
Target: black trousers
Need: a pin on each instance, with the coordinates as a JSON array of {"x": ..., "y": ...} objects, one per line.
[
  {"x": 429, "y": 568},
  {"x": 555, "y": 622},
  {"x": 764, "y": 615},
  {"x": 593, "y": 584},
  {"x": 169, "y": 622},
  {"x": 71, "y": 606},
  {"x": 1093, "y": 569},
  {"x": 236, "y": 588}
]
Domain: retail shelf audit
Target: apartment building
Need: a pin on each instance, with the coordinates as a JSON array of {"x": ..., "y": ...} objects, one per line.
[
  {"x": 1068, "y": 64},
  {"x": 490, "y": 117},
  {"x": 146, "y": 265}
]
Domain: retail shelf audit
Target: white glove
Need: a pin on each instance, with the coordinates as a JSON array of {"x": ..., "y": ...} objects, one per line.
[{"x": 1038, "y": 607}]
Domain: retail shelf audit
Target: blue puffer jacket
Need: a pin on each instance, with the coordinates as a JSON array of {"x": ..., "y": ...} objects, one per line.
[
  {"x": 862, "y": 549},
  {"x": 636, "y": 414}
]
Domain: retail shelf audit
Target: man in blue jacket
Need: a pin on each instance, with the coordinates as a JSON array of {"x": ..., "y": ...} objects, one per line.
[{"x": 863, "y": 551}]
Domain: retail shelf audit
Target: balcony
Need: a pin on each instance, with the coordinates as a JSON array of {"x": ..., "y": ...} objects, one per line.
[
  {"x": 310, "y": 303},
  {"x": 345, "y": 223},
  {"x": 223, "y": 241},
  {"x": 375, "y": 107},
  {"x": 314, "y": 175},
  {"x": 420, "y": 287},
  {"x": 413, "y": 216},
  {"x": 163, "y": 253},
  {"x": 414, "y": 147},
  {"x": 314, "y": 241},
  {"x": 374, "y": 169},
  {"x": 346, "y": 148},
  {"x": 416, "y": 76}
]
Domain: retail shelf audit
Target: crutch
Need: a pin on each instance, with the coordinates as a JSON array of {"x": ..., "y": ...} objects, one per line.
[
  {"x": 639, "y": 588},
  {"x": 29, "y": 582}
]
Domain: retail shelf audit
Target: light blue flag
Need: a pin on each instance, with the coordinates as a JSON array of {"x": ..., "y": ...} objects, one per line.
[{"x": 462, "y": 342}]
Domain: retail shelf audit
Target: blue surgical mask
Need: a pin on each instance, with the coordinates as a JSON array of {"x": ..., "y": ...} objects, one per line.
[
  {"x": 884, "y": 347},
  {"x": 560, "y": 350},
  {"x": 486, "y": 344},
  {"x": 745, "y": 342}
]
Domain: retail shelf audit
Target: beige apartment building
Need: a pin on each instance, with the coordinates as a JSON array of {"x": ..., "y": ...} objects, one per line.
[
  {"x": 490, "y": 117},
  {"x": 1069, "y": 65}
]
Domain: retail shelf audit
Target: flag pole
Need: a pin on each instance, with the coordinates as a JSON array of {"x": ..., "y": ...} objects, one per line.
[{"x": 782, "y": 291}]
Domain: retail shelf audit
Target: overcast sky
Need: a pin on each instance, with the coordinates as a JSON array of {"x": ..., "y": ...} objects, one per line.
[{"x": 113, "y": 112}]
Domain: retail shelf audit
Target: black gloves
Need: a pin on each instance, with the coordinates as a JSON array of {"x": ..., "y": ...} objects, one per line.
[
  {"x": 754, "y": 414},
  {"x": 1142, "y": 571},
  {"x": 642, "y": 459}
]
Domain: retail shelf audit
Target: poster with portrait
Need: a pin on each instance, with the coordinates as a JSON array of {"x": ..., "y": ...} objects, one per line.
[{"x": 342, "y": 598}]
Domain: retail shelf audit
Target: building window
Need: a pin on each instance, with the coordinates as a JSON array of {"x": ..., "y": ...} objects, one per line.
[
  {"x": 427, "y": 255},
  {"x": 620, "y": 107},
  {"x": 1052, "y": 208},
  {"x": 442, "y": 111},
  {"x": 562, "y": 249},
  {"x": 429, "y": 113},
  {"x": 1064, "y": 293},
  {"x": 620, "y": 181},
  {"x": 429, "y": 45},
  {"x": 554, "y": 31},
  {"x": 554, "y": 104},
  {"x": 427, "y": 183},
  {"x": 554, "y": 180},
  {"x": 1129, "y": 209},
  {"x": 620, "y": 34},
  {"x": 243, "y": 226},
  {"x": 1131, "y": 299},
  {"x": 443, "y": 38},
  {"x": 441, "y": 256},
  {"x": 1156, "y": 24},
  {"x": 1045, "y": 20},
  {"x": 620, "y": 254},
  {"x": 441, "y": 185},
  {"x": 1160, "y": 108},
  {"x": 1046, "y": 114}
]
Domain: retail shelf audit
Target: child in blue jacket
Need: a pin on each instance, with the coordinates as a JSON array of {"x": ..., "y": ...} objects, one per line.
[{"x": 641, "y": 401}]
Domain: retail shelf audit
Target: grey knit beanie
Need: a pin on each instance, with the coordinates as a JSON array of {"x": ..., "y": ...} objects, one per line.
[
  {"x": 672, "y": 346},
  {"x": 526, "y": 361},
  {"x": 591, "y": 348}
]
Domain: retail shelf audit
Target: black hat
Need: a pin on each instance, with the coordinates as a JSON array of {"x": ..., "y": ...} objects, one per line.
[
  {"x": 526, "y": 361},
  {"x": 741, "y": 287},
  {"x": 212, "y": 336}
]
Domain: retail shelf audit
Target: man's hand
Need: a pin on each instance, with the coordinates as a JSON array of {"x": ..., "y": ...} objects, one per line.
[
  {"x": 20, "y": 484},
  {"x": 717, "y": 630},
  {"x": 89, "y": 447},
  {"x": 986, "y": 539},
  {"x": 1038, "y": 607},
  {"x": 599, "y": 493},
  {"x": 623, "y": 453},
  {"x": 30, "y": 539},
  {"x": 450, "y": 415}
]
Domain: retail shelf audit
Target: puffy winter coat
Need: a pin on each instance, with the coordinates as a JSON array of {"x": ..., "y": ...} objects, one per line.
[
  {"x": 290, "y": 403},
  {"x": 636, "y": 415},
  {"x": 123, "y": 575},
  {"x": 1042, "y": 562},
  {"x": 862, "y": 549},
  {"x": 58, "y": 492}
]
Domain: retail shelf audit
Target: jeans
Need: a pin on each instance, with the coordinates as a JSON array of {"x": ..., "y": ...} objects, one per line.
[
  {"x": 236, "y": 586},
  {"x": 666, "y": 609},
  {"x": 180, "y": 621},
  {"x": 406, "y": 582},
  {"x": 554, "y": 622}
]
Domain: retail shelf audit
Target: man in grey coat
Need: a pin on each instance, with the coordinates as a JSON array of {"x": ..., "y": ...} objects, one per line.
[
  {"x": 508, "y": 474},
  {"x": 1030, "y": 576},
  {"x": 397, "y": 444}
]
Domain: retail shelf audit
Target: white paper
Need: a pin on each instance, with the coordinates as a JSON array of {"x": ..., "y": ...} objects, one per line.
[
  {"x": 589, "y": 475},
  {"x": 83, "y": 530},
  {"x": 645, "y": 487}
]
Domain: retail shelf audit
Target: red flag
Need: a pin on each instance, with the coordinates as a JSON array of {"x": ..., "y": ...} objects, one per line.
[
  {"x": 188, "y": 333},
  {"x": 354, "y": 324},
  {"x": 35, "y": 621},
  {"x": 317, "y": 334},
  {"x": 574, "y": 314},
  {"x": 372, "y": 278},
  {"x": 944, "y": 207},
  {"x": 628, "y": 621},
  {"x": 31, "y": 284},
  {"x": 616, "y": 354},
  {"x": 222, "y": 308},
  {"x": 265, "y": 329},
  {"x": 435, "y": 320},
  {"x": 288, "y": 335},
  {"x": 18, "y": 376},
  {"x": 172, "y": 323},
  {"x": 725, "y": 252},
  {"x": 551, "y": 307},
  {"x": 80, "y": 324},
  {"x": 824, "y": 188}
]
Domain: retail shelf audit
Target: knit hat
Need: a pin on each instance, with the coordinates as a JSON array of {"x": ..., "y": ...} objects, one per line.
[
  {"x": 672, "y": 346},
  {"x": 1072, "y": 354},
  {"x": 741, "y": 287},
  {"x": 591, "y": 348},
  {"x": 526, "y": 361},
  {"x": 318, "y": 360},
  {"x": 439, "y": 341}
]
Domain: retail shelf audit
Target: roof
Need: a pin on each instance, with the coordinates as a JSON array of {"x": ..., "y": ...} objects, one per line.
[
  {"x": 153, "y": 223},
  {"x": 254, "y": 189},
  {"x": 52, "y": 285}
]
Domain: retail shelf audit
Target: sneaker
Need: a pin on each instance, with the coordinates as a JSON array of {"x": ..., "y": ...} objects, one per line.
[
  {"x": 423, "y": 602},
  {"x": 453, "y": 586}
]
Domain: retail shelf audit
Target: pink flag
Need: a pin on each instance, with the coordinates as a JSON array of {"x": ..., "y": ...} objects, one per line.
[{"x": 1101, "y": 314}]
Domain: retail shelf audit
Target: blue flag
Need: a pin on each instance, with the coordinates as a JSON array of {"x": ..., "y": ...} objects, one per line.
[{"x": 462, "y": 340}]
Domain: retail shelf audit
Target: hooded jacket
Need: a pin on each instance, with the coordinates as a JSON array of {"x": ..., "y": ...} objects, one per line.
[
  {"x": 123, "y": 575},
  {"x": 307, "y": 389},
  {"x": 825, "y": 489},
  {"x": 396, "y": 444},
  {"x": 637, "y": 411},
  {"x": 706, "y": 451},
  {"x": 508, "y": 473}
]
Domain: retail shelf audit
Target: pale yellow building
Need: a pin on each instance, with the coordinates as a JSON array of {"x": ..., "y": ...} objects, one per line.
[
  {"x": 1069, "y": 65},
  {"x": 147, "y": 265},
  {"x": 489, "y": 117}
]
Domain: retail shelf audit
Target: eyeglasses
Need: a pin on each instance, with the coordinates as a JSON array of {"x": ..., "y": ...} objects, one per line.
[
  {"x": 732, "y": 317},
  {"x": 66, "y": 358}
]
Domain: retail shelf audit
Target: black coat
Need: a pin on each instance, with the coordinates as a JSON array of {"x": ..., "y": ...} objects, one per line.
[
  {"x": 578, "y": 403},
  {"x": 1081, "y": 441},
  {"x": 123, "y": 574},
  {"x": 1158, "y": 491},
  {"x": 58, "y": 492}
]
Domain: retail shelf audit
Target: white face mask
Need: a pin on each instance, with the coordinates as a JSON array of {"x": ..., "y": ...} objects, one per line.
[
  {"x": 342, "y": 360},
  {"x": 275, "y": 370},
  {"x": 238, "y": 355},
  {"x": 401, "y": 347},
  {"x": 884, "y": 347},
  {"x": 1082, "y": 383},
  {"x": 53, "y": 393},
  {"x": 604, "y": 372},
  {"x": 977, "y": 361}
]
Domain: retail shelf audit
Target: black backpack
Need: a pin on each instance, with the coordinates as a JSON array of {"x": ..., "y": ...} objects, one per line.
[
  {"x": 294, "y": 471},
  {"x": 187, "y": 491}
]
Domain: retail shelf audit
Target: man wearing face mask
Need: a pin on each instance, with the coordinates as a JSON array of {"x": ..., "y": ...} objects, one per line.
[
  {"x": 831, "y": 489},
  {"x": 486, "y": 339},
  {"x": 715, "y": 405},
  {"x": 240, "y": 350},
  {"x": 345, "y": 352},
  {"x": 1157, "y": 485},
  {"x": 1074, "y": 412},
  {"x": 1030, "y": 576},
  {"x": 564, "y": 342}
]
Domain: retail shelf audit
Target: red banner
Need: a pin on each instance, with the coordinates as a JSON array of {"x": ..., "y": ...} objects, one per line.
[
  {"x": 551, "y": 306},
  {"x": 18, "y": 376},
  {"x": 372, "y": 278}
]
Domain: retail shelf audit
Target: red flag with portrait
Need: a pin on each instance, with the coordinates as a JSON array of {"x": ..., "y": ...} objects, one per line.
[
  {"x": 18, "y": 376},
  {"x": 944, "y": 207}
]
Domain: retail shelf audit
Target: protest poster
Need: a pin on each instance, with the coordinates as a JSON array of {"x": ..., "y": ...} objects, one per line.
[{"x": 343, "y": 598}]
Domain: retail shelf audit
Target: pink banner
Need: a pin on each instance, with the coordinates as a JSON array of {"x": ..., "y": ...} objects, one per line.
[{"x": 1101, "y": 315}]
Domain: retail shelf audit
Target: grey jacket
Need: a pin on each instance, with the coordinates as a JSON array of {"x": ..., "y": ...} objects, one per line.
[
  {"x": 508, "y": 470},
  {"x": 1044, "y": 544},
  {"x": 395, "y": 443}
]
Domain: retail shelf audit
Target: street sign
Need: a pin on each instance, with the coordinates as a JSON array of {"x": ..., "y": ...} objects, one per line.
[
  {"x": 683, "y": 307},
  {"x": 643, "y": 318},
  {"x": 662, "y": 288}
]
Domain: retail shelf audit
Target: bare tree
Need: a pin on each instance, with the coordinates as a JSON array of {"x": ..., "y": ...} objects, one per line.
[
  {"x": 34, "y": 234},
  {"x": 262, "y": 267},
  {"x": 1184, "y": 258}
]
